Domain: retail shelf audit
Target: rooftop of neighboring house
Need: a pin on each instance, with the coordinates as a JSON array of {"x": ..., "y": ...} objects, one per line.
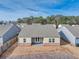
[
  {"x": 74, "y": 29},
  {"x": 38, "y": 30},
  {"x": 4, "y": 28}
]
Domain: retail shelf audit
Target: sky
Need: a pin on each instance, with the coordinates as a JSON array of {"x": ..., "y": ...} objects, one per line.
[{"x": 13, "y": 9}]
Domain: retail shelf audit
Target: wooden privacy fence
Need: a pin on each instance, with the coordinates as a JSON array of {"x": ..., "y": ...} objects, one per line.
[{"x": 7, "y": 45}]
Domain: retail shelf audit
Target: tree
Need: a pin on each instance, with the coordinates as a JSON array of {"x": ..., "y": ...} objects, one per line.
[
  {"x": 29, "y": 21},
  {"x": 50, "y": 19},
  {"x": 54, "y": 19},
  {"x": 77, "y": 20},
  {"x": 19, "y": 20},
  {"x": 43, "y": 21}
]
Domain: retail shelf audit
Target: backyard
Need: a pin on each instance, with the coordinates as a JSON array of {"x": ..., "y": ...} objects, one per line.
[{"x": 39, "y": 52}]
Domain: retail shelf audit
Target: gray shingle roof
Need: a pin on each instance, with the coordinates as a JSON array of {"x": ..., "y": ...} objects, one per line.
[
  {"x": 74, "y": 30},
  {"x": 4, "y": 28},
  {"x": 38, "y": 30}
]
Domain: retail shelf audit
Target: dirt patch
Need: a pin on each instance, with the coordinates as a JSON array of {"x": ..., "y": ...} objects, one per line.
[
  {"x": 23, "y": 50},
  {"x": 74, "y": 50},
  {"x": 49, "y": 55},
  {"x": 31, "y": 51}
]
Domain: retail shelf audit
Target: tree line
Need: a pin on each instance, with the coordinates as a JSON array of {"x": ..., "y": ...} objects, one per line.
[{"x": 55, "y": 19}]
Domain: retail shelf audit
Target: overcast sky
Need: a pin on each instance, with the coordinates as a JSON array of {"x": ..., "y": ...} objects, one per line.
[{"x": 13, "y": 9}]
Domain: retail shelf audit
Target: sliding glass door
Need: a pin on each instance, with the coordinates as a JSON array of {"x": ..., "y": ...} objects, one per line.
[{"x": 37, "y": 40}]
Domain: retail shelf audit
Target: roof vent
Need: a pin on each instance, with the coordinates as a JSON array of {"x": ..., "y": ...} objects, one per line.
[
  {"x": 22, "y": 26},
  {"x": 73, "y": 25},
  {"x": 60, "y": 26}
]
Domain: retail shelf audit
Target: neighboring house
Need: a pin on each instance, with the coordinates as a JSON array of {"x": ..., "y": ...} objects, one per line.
[
  {"x": 38, "y": 34},
  {"x": 70, "y": 34},
  {"x": 8, "y": 36}
]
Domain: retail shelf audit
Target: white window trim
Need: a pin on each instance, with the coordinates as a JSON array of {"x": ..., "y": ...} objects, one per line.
[{"x": 51, "y": 40}]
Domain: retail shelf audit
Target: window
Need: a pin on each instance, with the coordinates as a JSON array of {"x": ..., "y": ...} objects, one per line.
[
  {"x": 36, "y": 39},
  {"x": 24, "y": 40},
  {"x": 51, "y": 40}
]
